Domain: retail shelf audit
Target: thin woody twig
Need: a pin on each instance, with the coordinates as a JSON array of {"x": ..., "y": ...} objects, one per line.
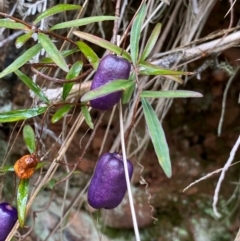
[
  {"x": 52, "y": 65},
  {"x": 60, "y": 81},
  {"x": 206, "y": 177},
  {"x": 231, "y": 7},
  {"x": 238, "y": 236},
  {"x": 10, "y": 38},
  {"x": 168, "y": 27},
  {"x": 16, "y": 20},
  {"x": 98, "y": 122},
  {"x": 221, "y": 178},
  {"x": 224, "y": 100},
  {"x": 130, "y": 24},
  {"x": 115, "y": 28},
  {"x": 195, "y": 7},
  {"x": 130, "y": 196},
  {"x": 32, "y": 27}
]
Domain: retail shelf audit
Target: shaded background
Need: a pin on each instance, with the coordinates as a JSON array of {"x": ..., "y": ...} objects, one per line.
[{"x": 190, "y": 126}]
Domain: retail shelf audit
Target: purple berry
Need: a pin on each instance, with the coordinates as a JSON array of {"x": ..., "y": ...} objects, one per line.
[
  {"x": 8, "y": 217},
  {"x": 110, "y": 68},
  {"x": 108, "y": 185}
]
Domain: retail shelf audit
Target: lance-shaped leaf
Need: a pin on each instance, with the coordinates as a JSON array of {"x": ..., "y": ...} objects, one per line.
[
  {"x": 41, "y": 164},
  {"x": 21, "y": 40},
  {"x": 29, "y": 138},
  {"x": 64, "y": 53},
  {"x": 87, "y": 116},
  {"x": 52, "y": 51},
  {"x": 7, "y": 169},
  {"x": 32, "y": 86},
  {"x": 103, "y": 43},
  {"x": 20, "y": 61},
  {"x": 90, "y": 55},
  {"x": 60, "y": 113},
  {"x": 127, "y": 93},
  {"x": 158, "y": 137},
  {"x": 22, "y": 197},
  {"x": 82, "y": 22},
  {"x": 146, "y": 68},
  {"x": 151, "y": 42},
  {"x": 171, "y": 94},
  {"x": 110, "y": 87},
  {"x": 56, "y": 9},
  {"x": 17, "y": 115},
  {"x": 51, "y": 183},
  {"x": 176, "y": 78},
  {"x": 7, "y": 23},
  {"x": 72, "y": 74},
  {"x": 136, "y": 32}
]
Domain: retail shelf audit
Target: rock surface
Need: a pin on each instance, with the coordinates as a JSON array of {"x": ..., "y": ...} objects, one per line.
[{"x": 121, "y": 217}]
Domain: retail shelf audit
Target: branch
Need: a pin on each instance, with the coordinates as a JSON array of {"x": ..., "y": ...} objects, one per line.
[
  {"x": 180, "y": 56},
  {"x": 185, "y": 55}
]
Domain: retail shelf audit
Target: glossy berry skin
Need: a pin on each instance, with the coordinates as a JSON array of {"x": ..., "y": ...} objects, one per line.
[
  {"x": 108, "y": 185},
  {"x": 8, "y": 217},
  {"x": 111, "y": 67}
]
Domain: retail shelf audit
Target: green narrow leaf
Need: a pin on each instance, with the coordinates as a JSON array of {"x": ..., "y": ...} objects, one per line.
[
  {"x": 20, "y": 61},
  {"x": 17, "y": 115},
  {"x": 150, "y": 69},
  {"x": 52, "y": 51},
  {"x": 87, "y": 116},
  {"x": 82, "y": 22},
  {"x": 136, "y": 32},
  {"x": 75, "y": 70},
  {"x": 22, "y": 197},
  {"x": 7, "y": 23},
  {"x": 29, "y": 138},
  {"x": 108, "y": 88},
  {"x": 6, "y": 169},
  {"x": 51, "y": 183},
  {"x": 41, "y": 164},
  {"x": 158, "y": 137},
  {"x": 103, "y": 43},
  {"x": 56, "y": 9},
  {"x": 72, "y": 74},
  {"x": 66, "y": 90},
  {"x": 151, "y": 42},
  {"x": 90, "y": 55},
  {"x": 32, "y": 86},
  {"x": 64, "y": 53},
  {"x": 127, "y": 93},
  {"x": 21, "y": 40},
  {"x": 176, "y": 78},
  {"x": 171, "y": 94},
  {"x": 60, "y": 113}
]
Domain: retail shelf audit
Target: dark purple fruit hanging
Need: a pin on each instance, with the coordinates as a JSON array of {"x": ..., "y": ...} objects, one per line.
[
  {"x": 111, "y": 67},
  {"x": 8, "y": 217},
  {"x": 108, "y": 185}
]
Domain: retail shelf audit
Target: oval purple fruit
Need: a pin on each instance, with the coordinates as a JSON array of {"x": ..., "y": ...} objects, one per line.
[
  {"x": 108, "y": 185},
  {"x": 8, "y": 217},
  {"x": 111, "y": 67}
]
